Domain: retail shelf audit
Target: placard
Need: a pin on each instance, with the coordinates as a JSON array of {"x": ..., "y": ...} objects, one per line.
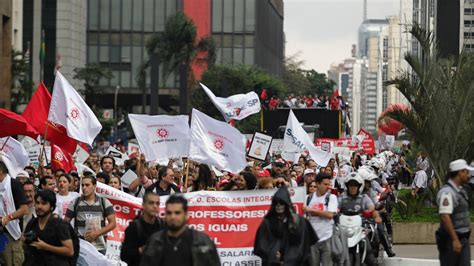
[
  {"x": 260, "y": 146},
  {"x": 326, "y": 146}
]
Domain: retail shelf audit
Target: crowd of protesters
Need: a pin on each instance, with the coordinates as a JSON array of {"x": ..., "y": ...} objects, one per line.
[
  {"x": 52, "y": 208},
  {"x": 334, "y": 102}
]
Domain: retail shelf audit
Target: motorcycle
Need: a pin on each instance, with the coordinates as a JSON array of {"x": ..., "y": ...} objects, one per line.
[{"x": 353, "y": 228}]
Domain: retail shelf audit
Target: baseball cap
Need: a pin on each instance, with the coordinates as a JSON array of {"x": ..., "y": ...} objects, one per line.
[
  {"x": 458, "y": 165},
  {"x": 308, "y": 172},
  {"x": 22, "y": 173}
]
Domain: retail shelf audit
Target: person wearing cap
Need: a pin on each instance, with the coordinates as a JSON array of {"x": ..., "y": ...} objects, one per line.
[
  {"x": 309, "y": 175},
  {"x": 452, "y": 237},
  {"x": 22, "y": 176},
  {"x": 278, "y": 167}
]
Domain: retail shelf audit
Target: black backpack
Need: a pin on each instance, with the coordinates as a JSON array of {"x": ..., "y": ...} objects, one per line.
[{"x": 74, "y": 237}]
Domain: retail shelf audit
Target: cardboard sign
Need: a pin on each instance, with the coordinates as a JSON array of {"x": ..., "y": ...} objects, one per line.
[
  {"x": 81, "y": 155},
  {"x": 128, "y": 178},
  {"x": 118, "y": 156},
  {"x": 132, "y": 148},
  {"x": 326, "y": 146},
  {"x": 260, "y": 146}
]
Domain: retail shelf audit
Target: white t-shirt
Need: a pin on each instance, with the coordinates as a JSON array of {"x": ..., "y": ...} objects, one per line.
[
  {"x": 420, "y": 180},
  {"x": 62, "y": 203},
  {"x": 322, "y": 226}
]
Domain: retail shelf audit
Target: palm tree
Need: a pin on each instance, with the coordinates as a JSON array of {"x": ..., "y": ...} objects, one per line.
[
  {"x": 177, "y": 45},
  {"x": 441, "y": 94}
]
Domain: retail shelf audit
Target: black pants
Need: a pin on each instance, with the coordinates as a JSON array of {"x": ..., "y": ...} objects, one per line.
[{"x": 447, "y": 257}]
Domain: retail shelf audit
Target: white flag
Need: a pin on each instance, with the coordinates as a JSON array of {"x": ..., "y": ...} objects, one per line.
[
  {"x": 216, "y": 143},
  {"x": 14, "y": 155},
  {"x": 69, "y": 110},
  {"x": 237, "y": 106},
  {"x": 161, "y": 136},
  {"x": 296, "y": 140}
]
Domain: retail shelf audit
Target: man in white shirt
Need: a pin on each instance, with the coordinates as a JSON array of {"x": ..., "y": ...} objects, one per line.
[
  {"x": 419, "y": 182},
  {"x": 321, "y": 208}
]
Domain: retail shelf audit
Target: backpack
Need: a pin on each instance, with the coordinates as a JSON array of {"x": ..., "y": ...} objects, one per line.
[
  {"x": 72, "y": 232},
  {"x": 326, "y": 199}
]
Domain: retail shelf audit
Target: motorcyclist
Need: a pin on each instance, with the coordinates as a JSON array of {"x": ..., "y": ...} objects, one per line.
[
  {"x": 353, "y": 202},
  {"x": 369, "y": 177}
]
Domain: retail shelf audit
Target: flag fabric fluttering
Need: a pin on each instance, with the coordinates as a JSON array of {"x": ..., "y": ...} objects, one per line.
[
  {"x": 237, "y": 106},
  {"x": 161, "y": 136},
  {"x": 216, "y": 143},
  {"x": 14, "y": 155},
  {"x": 69, "y": 110},
  {"x": 12, "y": 124},
  {"x": 36, "y": 113},
  {"x": 296, "y": 140},
  {"x": 61, "y": 160}
]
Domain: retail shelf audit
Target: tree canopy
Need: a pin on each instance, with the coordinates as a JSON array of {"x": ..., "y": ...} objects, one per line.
[{"x": 440, "y": 92}]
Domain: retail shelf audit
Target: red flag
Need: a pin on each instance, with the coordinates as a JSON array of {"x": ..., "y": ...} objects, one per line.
[
  {"x": 12, "y": 124},
  {"x": 263, "y": 95},
  {"x": 58, "y": 135},
  {"x": 36, "y": 113},
  {"x": 61, "y": 160}
]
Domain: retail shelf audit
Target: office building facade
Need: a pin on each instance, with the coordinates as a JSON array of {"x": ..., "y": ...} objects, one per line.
[
  {"x": 245, "y": 31},
  {"x": 5, "y": 52}
]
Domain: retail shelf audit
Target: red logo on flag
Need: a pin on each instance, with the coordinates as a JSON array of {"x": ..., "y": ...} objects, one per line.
[
  {"x": 219, "y": 144},
  {"x": 58, "y": 156},
  {"x": 162, "y": 133},
  {"x": 74, "y": 113}
]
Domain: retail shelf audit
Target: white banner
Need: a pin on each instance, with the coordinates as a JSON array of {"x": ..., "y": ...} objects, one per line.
[
  {"x": 216, "y": 143},
  {"x": 14, "y": 155},
  {"x": 71, "y": 111},
  {"x": 33, "y": 148},
  {"x": 296, "y": 140},
  {"x": 161, "y": 136},
  {"x": 229, "y": 218},
  {"x": 237, "y": 106}
]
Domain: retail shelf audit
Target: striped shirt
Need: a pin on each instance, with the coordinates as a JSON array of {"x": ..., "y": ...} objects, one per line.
[{"x": 90, "y": 217}]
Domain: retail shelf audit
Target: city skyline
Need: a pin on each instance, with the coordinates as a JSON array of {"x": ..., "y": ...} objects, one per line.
[{"x": 316, "y": 51}]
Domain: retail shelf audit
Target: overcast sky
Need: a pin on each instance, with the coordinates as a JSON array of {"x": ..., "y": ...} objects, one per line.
[{"x": 324, "y": 30}]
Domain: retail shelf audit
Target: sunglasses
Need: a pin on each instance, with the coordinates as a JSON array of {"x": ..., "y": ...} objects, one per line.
[
  {"x": 279, "y": 165},
  {"x": 279, "y": 184}
]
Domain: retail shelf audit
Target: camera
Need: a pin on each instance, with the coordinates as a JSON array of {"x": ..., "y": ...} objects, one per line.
[{"x": 30, "y": 236}]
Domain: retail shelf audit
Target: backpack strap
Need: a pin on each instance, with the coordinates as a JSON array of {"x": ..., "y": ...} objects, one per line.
[
  {"x": 309, "y": 198},
  {"x": 326, "y": 200}
]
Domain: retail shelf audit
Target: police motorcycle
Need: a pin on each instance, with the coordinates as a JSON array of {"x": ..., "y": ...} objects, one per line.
[{"x": 351, "y": 222}]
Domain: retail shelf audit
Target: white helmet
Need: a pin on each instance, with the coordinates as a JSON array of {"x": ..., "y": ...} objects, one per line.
[
  {"x": 367, "y": 173},
  {"x": 354, "y": 176}
]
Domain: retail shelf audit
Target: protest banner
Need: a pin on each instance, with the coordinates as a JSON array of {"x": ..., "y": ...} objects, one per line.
[
  {"x": 230, "y": 218},
  {"x": 33, "y": 148}
]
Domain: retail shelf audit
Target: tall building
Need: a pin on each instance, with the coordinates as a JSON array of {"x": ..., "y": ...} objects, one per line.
[
  {"x": 245, "y": 31},
  {"x": 357, "y": 83},
  {"x": 17, "y": 25},
  {"x": 5, "y": 52},
  {"x": 62, "y": 23},
  {"x": 423, "y": 15},
  {"x": 373, "y": 42},
  {"x": 339, "y": 73},
  {"x": 467, "y": 25},
  {"x": 397, "y": 48}
]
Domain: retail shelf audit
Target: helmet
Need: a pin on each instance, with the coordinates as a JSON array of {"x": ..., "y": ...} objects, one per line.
[
  {"x": 367, "y": 173},
  {"x": 354, "y": 176}
]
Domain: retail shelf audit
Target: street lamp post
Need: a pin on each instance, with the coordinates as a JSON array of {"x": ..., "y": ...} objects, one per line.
[{"x": 115, "y": 112}]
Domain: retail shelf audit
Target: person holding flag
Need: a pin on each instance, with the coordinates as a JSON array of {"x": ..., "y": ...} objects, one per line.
[{"x": 13, "y": 207}]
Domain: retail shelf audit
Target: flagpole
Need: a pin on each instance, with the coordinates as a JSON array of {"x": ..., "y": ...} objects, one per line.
[
  {"x": 44, "y": 143},
  {"x": 187, "y": 176},
  {"x": 5, "y": 143}
]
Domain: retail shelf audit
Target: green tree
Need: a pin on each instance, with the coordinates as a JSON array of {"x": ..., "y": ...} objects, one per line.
[
  {"x": 294, "y": 76},
  {"x": 319, "y": 83},
  {"x": 178, "y": 44},
  {"x": 228, "y": 80},
  {"x": 91, "y": 75},
  {"x": 21, "y": 85},
  {"x": 440, "y": 92}
]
